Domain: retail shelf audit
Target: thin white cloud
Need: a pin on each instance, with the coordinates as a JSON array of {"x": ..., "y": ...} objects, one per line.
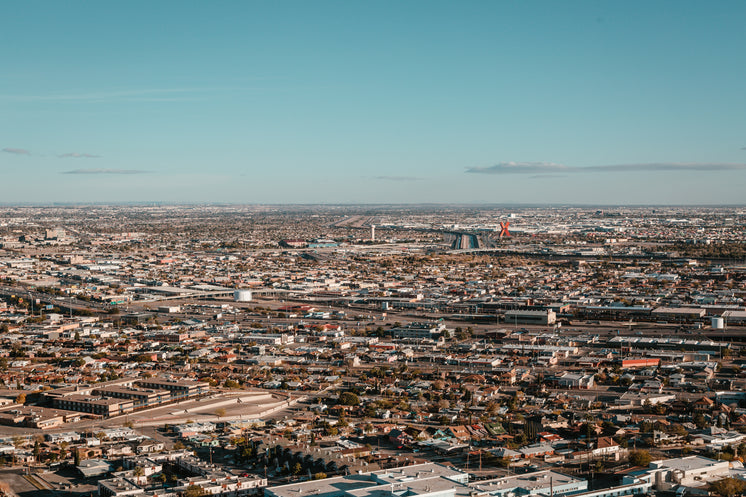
[
  {"x": 398, "y": 178},
  {"x": 535, "y": 168},
  {"x": 667, "y": 166},
  {"x": 17, "y": 151},
  {"x": 76, "y": 155},
  {"x": 105, "y": 171},
  {"x": 520, "y": 168},
  {"x": 144, "y": 94}
]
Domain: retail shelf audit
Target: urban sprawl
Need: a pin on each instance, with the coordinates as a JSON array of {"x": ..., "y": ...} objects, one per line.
[{"x": 372, "y": 351}]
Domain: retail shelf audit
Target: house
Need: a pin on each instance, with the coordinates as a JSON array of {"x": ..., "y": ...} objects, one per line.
[
  {"x": 150, "y": 446},
  {"x": 399, "y": 438},
  {"x": 505, "y": 453},
  {"x": 536, "y": 450},
  {"x": 606, "y": 446},
  {"x": 704, "y": 405},
  {"x": 575, "y": 380},
  {"x": 459, "y": 432}
]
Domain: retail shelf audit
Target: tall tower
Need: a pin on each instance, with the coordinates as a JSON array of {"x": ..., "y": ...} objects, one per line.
[{"x": 372, "y": 232}]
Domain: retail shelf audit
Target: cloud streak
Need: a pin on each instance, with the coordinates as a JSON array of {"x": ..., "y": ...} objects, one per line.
[
  {"x": 141, "y": 94},
  {"x": 76, "y": 155},
  {"x": 17, "y": 151},
  {"x": 398, "y": 178},
  {"x": 536, "y": 168},
  {"x": 105, "y": 171}
]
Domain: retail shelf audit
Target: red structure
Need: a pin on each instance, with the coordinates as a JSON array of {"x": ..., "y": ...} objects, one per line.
[
  {"x": 504, "y": 229},
  {"x": 640, "y": 363}
]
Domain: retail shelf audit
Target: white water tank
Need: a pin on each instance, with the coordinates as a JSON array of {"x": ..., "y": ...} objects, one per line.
[
  {"x": 242, "y": 295},
  {"x": 718, "y": 323}
]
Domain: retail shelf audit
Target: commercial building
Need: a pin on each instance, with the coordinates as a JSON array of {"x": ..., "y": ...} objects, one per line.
[
  {"x": 538, "y": 483},
  {"x": 419, "y": 331},
  {"x": 541, "y": 318},
  {"x": 424, "y": 480},
  {"x": 101, "y": 406},
  {"x": 140, "y": 397},
  {"x": 182, "y": 388}
]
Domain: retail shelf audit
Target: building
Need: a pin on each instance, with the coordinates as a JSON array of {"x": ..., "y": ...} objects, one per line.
[
  {"x": 575, "y": 380},
  {"x": 678, "y": 314},
  {"x": 101, "y": 406},
  {"x": 91, "y": 468},
  {"x": 422, "y": 480},
  {"x": 540, "y": 318},
  {"x": 537, "y": 483},
  {"x": 692, "y": 472},
  {"x": 180, "y": 389},
  {"x": 140, "y": 397},
  {"x": 419, "y": 331}
]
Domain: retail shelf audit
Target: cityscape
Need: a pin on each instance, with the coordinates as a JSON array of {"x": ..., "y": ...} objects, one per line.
[
  {"x": 348, "y": 248},
  {"x": 158, "y": 350}
]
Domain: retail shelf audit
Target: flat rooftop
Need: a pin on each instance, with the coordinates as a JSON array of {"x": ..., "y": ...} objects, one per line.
[
  {"x": 688, "y": 463},
  {"x": 529, "y": 482},
  {"x": 328, "y": 487},
  {"x": 418, "y": 471}
]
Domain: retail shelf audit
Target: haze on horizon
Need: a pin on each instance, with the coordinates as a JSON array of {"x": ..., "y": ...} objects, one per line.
[{"x": 335, "y": 102}]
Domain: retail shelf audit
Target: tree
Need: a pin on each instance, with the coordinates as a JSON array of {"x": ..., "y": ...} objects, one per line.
[
  {"x": 21, "y": 399},
  {"x": 63, "y": 450},
  {"x": 194, "y": 491},
  {"x": 219, "y": 412},
  {"x": 138, "y": 471},
  {"x": 728, "y": 487},
  {"x": 640, "y": 458},
  {"x": 349, "y": 399},
  {"x": 699, "y": 420}
]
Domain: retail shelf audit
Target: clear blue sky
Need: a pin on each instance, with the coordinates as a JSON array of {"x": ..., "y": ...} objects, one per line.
[{"x": 597, "y": 102}]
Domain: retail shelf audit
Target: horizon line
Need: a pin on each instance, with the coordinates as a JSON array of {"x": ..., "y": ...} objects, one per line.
[{"x": 361, "y": 204}]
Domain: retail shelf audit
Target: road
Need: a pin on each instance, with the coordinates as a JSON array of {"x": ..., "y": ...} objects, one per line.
[{"x": 18, "y": 484}]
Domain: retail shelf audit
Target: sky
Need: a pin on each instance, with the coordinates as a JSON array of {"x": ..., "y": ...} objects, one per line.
[{"x": 333, "y": 102}]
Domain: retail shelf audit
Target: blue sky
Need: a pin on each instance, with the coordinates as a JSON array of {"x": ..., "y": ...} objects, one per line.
[{"x": 576, "y": 102}]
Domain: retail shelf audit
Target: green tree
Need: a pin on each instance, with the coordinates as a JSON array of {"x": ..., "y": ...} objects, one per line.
[
  {"x": 699, "y": 420},
  {"x": 640, "y": 458},
  {"x": 349, "y": 399},
  {"x": 728, "y": 487}
]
